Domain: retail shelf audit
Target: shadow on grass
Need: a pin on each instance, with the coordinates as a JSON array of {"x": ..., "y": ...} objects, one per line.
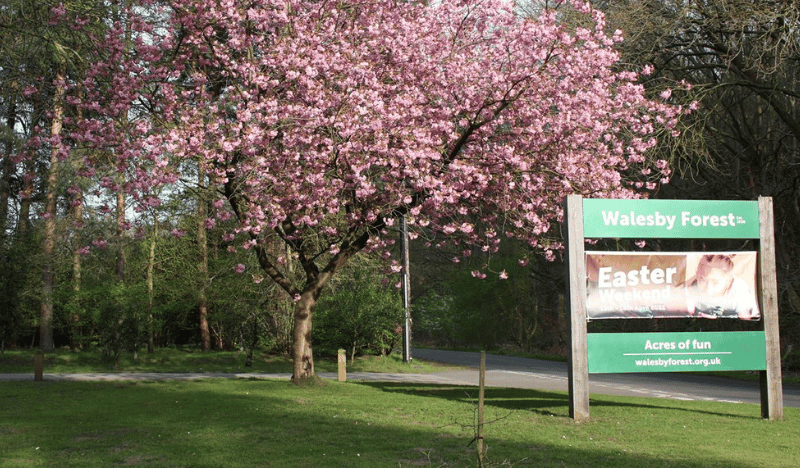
[{"x": 542, "y": 402}]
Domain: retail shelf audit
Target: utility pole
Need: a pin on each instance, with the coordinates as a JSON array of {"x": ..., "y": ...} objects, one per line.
[{"x": 406, "y": 282}]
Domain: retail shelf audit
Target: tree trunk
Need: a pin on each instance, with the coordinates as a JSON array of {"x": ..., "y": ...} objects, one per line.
[
  {"x": 301, "y": 348},
  {"x": 205, "y": 334},
  {"x": 77, "y": 220},
  {"x": 120, "y": 270},
  {"x": 8, "y": 164},
  {"x": 220, "y": 337},
  {"x": 23, "y": 221},
  {"x": 253, "y": 341},
  {"x": 49, "y": 243},
  {"x": 28, "y": 183},
  {"x": 202, "y": 245},
  {"x": 77, "y": 216},
  {"x": 151, "y": 261},
  {"x": 121, "y": 262}
]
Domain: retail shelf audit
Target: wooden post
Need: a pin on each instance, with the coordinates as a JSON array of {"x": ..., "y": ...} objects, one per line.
[
  {"x": 38, "y": 366},
  {"x": 481, "y": 395},
  {"x": 771, "y": 386},
  {"x": 342, "y": 365},
  {"x": 578, "y": 369}
]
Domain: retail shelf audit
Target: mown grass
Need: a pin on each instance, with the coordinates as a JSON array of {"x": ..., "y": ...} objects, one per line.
[
  {"x": 192, "y": 360},
  {"x": 250, "y": 422}
]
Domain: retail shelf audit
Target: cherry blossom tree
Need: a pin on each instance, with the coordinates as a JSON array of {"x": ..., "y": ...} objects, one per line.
[{"x": 325, "y": 122}]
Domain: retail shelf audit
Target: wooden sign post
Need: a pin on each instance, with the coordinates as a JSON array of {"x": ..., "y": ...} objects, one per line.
[
  {"x": 578, "y": 372},
  {"x": 771, "y": 388}
]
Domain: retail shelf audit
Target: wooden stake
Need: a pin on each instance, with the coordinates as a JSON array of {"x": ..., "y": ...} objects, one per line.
[
  {"x": 481, "y": 394},
  {"x": 342, "y": 365},
  {"x": 38, "y": 366}
]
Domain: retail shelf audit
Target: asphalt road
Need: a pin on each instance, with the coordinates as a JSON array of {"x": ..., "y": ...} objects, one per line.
[
  {"x": 508, "y": 371},
  {"x": 504, "y": 371}
]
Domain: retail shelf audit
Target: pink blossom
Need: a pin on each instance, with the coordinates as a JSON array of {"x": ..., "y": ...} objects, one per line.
[
  {"x": 239, "y": 268},
  {"x": 331, "y": 122},
  {"x": 57, "y": 13}
]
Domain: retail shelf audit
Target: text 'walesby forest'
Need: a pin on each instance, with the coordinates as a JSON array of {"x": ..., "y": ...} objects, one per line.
[{"x": 618, "y": 218}]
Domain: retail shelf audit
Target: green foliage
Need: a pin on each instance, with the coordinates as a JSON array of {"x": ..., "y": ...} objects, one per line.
[
  {"x": 434, "y": 317},
  {"x": 14, "y": 272},
  {"x": 359, "y": 314},
  {"x": 509, "y": 307}
]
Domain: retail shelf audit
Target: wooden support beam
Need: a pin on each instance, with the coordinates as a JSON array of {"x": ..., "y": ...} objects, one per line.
[
  {"x": 576, "y": 284},
  {"x": 771, "y": 385}
]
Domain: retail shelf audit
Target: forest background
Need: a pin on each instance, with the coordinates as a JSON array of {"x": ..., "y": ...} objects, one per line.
[{"x": 79, "y": 262}]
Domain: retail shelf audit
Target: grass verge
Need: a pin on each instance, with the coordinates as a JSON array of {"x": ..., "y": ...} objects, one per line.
[
  {"x": 193, "y": 360},
  {"x": 248, "y": 422}
]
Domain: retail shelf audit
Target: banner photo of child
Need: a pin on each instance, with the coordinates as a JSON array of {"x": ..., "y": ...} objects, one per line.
[{"x": 723, "y": 285}]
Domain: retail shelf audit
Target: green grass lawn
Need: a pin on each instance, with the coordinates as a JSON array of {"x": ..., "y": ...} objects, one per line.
[
  {"x": 192, "y": 360},
  {"x": 250, "y": 423},
  {"x": 253, "y": 422}
]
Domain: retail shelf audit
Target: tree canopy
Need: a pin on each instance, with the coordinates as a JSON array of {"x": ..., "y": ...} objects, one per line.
[{"x": 322, "y": 123}]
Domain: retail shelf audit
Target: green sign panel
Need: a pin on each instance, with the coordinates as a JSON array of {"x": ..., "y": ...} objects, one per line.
[
  {"x": 676, "y": 219},
  {"x": 611, "y": 353}
]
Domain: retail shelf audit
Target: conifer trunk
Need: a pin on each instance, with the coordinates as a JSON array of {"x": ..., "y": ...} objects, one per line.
[
  {"x": 77, "y": 216},
  {"x": 49, "y": 242},
  {"x": 8, "y": 164}
]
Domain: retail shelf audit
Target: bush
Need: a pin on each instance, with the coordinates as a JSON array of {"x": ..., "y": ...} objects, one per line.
[{"x": 360, "y": 314}]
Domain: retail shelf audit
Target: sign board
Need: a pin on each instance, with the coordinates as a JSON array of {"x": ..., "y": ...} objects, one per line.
[
  {"x": 671, "y": 285},
  {"x": 684, "y": 219},
  {"x": 623, "y": 277},
  {"x": 676, "y": 352}
]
